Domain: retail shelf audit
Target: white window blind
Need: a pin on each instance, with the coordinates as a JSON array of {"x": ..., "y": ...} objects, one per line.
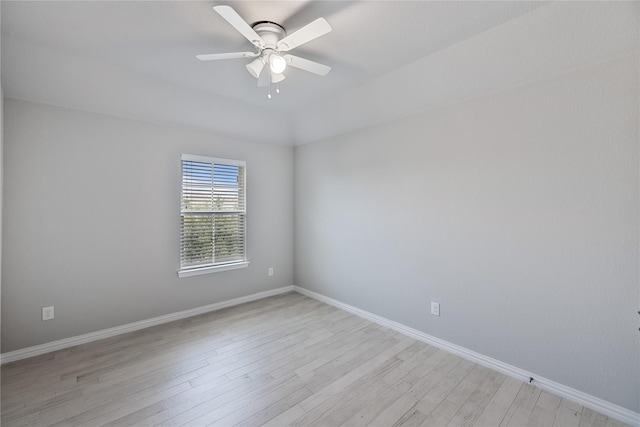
[{"x": 213, "y": 213}]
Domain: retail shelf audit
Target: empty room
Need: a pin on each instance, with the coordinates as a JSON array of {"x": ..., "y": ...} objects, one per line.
[{"x": 320, "y": 213}]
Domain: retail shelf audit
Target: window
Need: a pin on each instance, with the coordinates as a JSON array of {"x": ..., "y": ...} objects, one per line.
[{"x": 212, "y": 215}]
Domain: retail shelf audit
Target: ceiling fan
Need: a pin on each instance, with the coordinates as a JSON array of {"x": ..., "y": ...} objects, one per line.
[{"x": 271, "y": 40}]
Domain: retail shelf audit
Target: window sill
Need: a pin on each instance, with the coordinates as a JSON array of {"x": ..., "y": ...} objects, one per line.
[{"x": 212, "y": 269}]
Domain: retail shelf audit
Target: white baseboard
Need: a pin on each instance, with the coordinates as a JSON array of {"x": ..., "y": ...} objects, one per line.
[
  {"x": 584, "y": 399},
  {"x": 118, "y": 330}
]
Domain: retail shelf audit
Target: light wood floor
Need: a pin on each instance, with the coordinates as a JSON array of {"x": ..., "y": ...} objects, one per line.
[{"x": 285, "y": 360}]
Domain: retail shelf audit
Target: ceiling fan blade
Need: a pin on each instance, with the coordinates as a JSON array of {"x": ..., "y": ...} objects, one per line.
[
  {"x": 230, "y": 55},
  {"x": 232, "y": 17},
  {"x": 309, "y": 32},
  {"x": 306, "y": 65}
]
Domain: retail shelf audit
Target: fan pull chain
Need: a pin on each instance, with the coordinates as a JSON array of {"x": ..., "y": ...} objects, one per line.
[{"x": 278, "y": 87}]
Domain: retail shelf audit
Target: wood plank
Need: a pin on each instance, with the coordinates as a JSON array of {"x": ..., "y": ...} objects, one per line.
[
  {"x": 491, "y": 415},
  {"x": 286, "y": 418},
  {"x": 375, "y": 408},
  {"x": 283, "y": 360},
  {"x": 566, "y": 417},
  {"x": 591, "y": 418},
  {"x": 548, "y": 401},
  {"x": 395, "y": 411},
  {"x": 172, "y": 407},
  {"x": 412, "y": 417},
  {"x": 508, "y": 392},
  {"x": 541, "y": 417},
  {"x": 344, "y": 387},
  {"x": 438, "y": 392},
  {"x": 478, "y": 400},
  {"x": 522, "y": 406}
]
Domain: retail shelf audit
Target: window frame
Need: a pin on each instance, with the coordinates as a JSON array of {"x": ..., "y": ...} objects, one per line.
[{"x": 213, "y": 268}]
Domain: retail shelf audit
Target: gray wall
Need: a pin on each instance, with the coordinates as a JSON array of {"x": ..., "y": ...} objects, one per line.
[
  {"x": 1, "y": 173},
  {"x": 1, "y": 196},
  {"x": 92, "y": 222},
  {"x": 517, "y": 211}
]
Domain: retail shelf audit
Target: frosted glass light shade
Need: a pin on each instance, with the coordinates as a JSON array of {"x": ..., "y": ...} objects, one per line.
[
  {"x": 255, "y": 67},
  {"x": 277, "y": 64}
]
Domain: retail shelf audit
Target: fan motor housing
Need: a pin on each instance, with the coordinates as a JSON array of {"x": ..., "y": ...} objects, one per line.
[{"x": 270, "y": 32}]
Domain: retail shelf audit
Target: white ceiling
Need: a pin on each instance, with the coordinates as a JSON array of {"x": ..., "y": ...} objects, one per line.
[{"x": 389, "y": 59}]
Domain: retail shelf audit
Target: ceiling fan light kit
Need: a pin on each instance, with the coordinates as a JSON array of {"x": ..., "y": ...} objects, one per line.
[
  {"x": 255, "y": 67},
  {"x": 270, "y": 40},
  {"x": 277, "y": 63}
]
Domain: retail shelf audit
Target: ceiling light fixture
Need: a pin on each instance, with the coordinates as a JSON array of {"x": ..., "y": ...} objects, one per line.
[
  {"x": 272, "y": 46},
  {"x": 255, "y": 67},
  {"x": 277, "y": 64}
]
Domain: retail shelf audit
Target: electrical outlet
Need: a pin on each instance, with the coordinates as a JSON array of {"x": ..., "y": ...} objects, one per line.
[
  {"x": 47, "y": 313},
  {"x": 435, "y": 308},
  {"x": 270, "y": 271}
]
